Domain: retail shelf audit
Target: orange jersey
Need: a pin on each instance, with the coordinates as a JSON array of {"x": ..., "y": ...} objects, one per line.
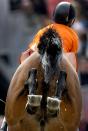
[{"x": 67, "y": 34}]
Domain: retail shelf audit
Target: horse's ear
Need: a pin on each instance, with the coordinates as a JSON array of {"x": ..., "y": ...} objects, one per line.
[{"x": 40, "y": 48}]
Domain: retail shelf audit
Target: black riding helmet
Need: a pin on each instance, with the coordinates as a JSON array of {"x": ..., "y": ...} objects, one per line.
[{"x": 64, "y": 13}]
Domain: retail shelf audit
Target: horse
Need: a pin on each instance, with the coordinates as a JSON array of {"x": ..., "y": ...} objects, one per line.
[{"x": 44, "y": 93}]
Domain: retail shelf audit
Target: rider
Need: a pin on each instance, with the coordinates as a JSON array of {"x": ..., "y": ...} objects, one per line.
[{"x": 63, "y": 17}]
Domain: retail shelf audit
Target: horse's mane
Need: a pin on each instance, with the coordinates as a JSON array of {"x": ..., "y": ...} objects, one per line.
[
  {"x": 49, "y": 33},
  {"x": 47, "y": 37}
]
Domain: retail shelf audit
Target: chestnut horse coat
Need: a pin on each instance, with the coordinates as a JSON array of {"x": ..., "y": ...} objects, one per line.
[{"x": 70, "y": 108}]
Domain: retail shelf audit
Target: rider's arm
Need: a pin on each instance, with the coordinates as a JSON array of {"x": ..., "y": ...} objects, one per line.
[
  {"x": 73, "y": 51},
  {"x": 75, "y": 43}
]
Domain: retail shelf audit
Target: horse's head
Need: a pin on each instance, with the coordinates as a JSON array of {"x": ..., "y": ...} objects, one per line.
[{"x": 50, "y": 49}]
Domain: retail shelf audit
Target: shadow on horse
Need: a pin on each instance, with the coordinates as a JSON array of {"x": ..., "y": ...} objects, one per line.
[{"x": 44, "y": 93}]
